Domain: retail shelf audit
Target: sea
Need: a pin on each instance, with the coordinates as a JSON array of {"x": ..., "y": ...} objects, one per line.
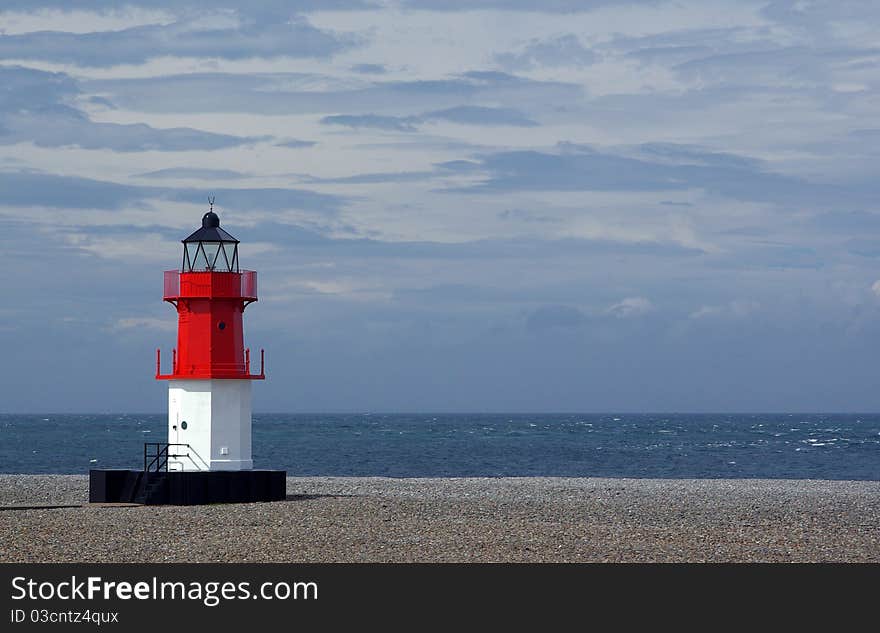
[{"x": 778, "y": 445}]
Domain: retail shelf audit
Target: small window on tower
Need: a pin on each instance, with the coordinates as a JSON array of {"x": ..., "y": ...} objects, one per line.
[
  {"x": 221, "y": 325},
  {"x": 183, "y": 425}
]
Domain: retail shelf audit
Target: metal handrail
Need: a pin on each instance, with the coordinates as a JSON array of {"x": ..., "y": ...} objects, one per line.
[
  {"x": 160, "y": 459},
  {"x": 247, "y": 363}
]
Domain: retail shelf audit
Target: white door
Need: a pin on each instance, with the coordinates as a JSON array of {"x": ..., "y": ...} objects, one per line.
[{"x": 174, "y": 438}]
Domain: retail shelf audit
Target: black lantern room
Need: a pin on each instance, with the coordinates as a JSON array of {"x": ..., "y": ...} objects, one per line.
[{"x": 210, "y": 248}]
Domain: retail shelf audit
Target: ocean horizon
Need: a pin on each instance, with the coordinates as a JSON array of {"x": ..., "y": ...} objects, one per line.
[{"x": 834, "y": 446}]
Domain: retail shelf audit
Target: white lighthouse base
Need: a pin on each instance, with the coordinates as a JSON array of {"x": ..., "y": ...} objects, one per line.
[{"x": 210, "y": 420}]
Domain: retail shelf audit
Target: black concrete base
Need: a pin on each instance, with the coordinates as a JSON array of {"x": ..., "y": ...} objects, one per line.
[{"x": 187, "y": 488}]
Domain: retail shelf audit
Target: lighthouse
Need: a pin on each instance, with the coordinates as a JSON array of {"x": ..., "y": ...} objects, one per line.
[
  {"x": 209, "y": 387},
  {"x": 207, "y": 457}
]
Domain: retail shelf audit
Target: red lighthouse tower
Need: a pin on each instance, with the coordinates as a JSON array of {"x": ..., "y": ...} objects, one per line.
[
  {"x": 209, "y": 388},
  {"x": 207, "y": 458}
]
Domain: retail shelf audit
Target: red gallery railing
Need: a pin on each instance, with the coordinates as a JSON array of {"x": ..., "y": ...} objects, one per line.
[
  {"x": 243, "y": 375},
  {"x": 241, "y": 284}
]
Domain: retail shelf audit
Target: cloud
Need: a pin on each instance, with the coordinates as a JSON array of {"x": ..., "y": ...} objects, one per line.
[
  {"x": 66, "y": 127},
  {"x": 546, "y": 6},
  {"x": 562, "y": 50},
  {"x": 464, "y": 115},
  {"x": 262, "y": 7},
  {"x": 26, "y": 89},
  {"x": 523, "y": 215},
  {"x": 137, "y": 246},
  {"x": 149, "y": 323},
  {"x": 555, "y": 317},
  {"x": 805, "y": 68},
  {"x": 369, "y": 69},
  {"x": 23, "y": 188},
  {"x": 197, "y": 173},
  {"x": 288, "y": 7},
  {"x": 296, "y": 143},
  {"x": 295, "y": 37},
  {"x": 264, "y": 198},
  {"x": 34, "y": 189},
  {"x": 777, "y": 255},
  {"x": 480, "y": 115},
  {"x": 734, "y": 310},
  {"x": 460, "y": 166},
  {"x": 34, "y": 108},
  {"x": 292, "y": 93},
  {"x": 631, "y": 307},
  {"x": 681, "y": 154},
  {"x": 863, "y": 247},
  {"x": 378, "y": 178},
  {"x": 295, "y": 288},
  {"x": 375, "y": 121},
  {"x": 675, "y": 46},
  {"x": 580, "y": 168},
  {"x": 847, "y": 222},
  {"x": 875, "y": 287}
]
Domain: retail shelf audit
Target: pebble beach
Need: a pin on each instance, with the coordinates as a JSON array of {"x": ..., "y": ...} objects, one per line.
[{"x": 47, "y": 518}]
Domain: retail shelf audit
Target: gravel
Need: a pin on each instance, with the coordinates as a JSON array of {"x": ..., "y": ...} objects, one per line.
[{"x": 534, "y": 519}]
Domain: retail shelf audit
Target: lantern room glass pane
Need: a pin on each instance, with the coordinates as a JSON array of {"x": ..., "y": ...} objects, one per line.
[
  {"x": 192, "y": 249},
  {"x": 222, "y": 259},
  {"x": 201, "y": 262},
  {"x": 210, "y": 250}
]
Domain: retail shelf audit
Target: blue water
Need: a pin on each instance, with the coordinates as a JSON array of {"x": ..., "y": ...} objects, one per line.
[{"x": 814, "y": 446}]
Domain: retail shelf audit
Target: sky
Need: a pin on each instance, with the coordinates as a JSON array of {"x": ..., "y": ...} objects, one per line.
[{"x": 482, "y": 205}]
